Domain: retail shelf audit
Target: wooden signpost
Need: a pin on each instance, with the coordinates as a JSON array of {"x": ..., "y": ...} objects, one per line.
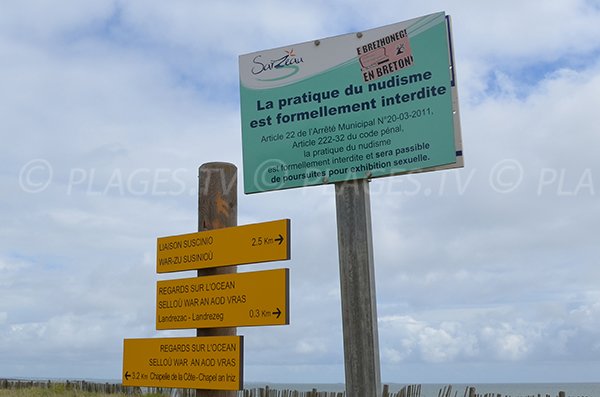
[
  {"x": 345, "y": 110},
  {"x": 215, "y": 302}
]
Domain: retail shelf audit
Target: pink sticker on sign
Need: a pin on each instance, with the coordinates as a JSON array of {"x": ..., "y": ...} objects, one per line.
[{"x": 384, "y": 56}]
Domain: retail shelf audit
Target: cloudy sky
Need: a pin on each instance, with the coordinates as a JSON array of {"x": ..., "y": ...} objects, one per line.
[{"x": 489, "y": 273}]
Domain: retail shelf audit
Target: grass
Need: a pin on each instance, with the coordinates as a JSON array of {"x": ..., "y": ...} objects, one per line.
[
  {"x": 57, "y": 390},
  {"x": 52, "y": 392}
]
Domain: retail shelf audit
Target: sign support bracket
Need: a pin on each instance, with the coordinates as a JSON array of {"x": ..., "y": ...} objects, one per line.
[
  {"x": 217, "y": 208},
  {"x": 357, "y": 282}
]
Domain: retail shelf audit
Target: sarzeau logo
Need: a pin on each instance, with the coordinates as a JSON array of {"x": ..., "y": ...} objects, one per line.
[{"x": 288, "y": 64}]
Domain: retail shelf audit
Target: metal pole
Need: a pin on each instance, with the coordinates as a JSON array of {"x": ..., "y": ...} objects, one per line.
[
  {"x": 357, "y": 282},
  {"x": 217, "y": 208}
]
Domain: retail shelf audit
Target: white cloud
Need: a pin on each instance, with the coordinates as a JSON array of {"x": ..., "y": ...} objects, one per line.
[
  {"x": 506, "y": 342},
  {"x": 44, "y": 21},
  {"x": 311, "y": 345},
  {"x": 413, "y": 339}
]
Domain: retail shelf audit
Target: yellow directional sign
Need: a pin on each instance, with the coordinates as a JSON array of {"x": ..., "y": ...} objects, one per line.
[
  {"x": 259, "y": 242},
  {"x": 228, "y": 300},
  {"x": 213, "y": 362}
]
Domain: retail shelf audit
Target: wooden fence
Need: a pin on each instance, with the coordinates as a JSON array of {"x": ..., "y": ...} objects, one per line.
[{"x": 112, "y": 388}]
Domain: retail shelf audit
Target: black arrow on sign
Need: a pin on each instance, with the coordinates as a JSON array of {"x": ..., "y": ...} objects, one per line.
[
  {"x": 127, "y": 375},
  {"x": 278, "y": 312},
  {"x": 279, "y": 239}
]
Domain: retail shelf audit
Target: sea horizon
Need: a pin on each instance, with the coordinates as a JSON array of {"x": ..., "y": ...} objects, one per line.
[{"x": 514, "y": 389}]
